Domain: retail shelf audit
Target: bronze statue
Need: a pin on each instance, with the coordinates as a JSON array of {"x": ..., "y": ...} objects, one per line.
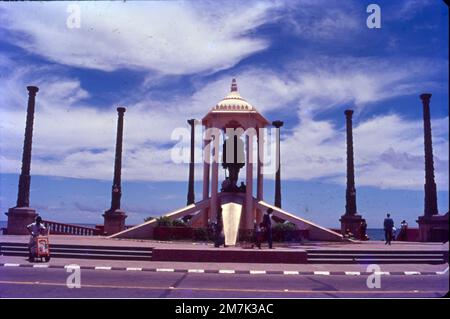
[{"x": 235, "y": 160}]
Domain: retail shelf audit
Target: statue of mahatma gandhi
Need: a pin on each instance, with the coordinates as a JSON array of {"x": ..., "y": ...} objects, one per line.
[{"x": 233, "y": 160}]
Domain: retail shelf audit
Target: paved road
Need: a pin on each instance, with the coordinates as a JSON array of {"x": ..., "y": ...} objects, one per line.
[{"x": 51, "y": 282}]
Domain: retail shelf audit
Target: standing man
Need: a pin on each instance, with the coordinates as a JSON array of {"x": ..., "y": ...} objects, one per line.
[
  {"x": 267, "y": 221},
  {"x": 35, "y": 229},
  {"x": 388, "y": 227}
]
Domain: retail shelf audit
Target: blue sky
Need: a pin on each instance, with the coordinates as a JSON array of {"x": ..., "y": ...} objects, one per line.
[{"x": 303, "y": 62}]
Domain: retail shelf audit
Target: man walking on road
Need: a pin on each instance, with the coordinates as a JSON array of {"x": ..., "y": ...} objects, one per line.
[{"x": 388, "y": 226}]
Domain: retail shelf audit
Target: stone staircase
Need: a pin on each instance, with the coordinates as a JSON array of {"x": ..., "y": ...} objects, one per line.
[
  {"x": 82, "y": 251},
  {"x": 325, "y": 256}
]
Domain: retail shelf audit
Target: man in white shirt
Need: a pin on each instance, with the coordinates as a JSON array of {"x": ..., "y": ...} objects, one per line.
[{"x": 35, "y": 229}]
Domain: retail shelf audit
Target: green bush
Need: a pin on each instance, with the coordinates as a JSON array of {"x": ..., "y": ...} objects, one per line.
[
  {"x": 164, "y": 221},
  {"x": 201, "y": 234},
  {"x": 147, "y": 219},
  {"x": 178, "y": 223},
  {"x": 284, "y": 227}
]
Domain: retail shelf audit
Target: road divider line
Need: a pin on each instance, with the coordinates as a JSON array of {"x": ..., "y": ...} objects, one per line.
[
  {"x": 290, "y": 272},
  {"x": 102, "y": 268},
  {"x": 221, "y": 289},
  {"x": 11, "y": 265},
  {"x": 382, "y": 273},
  {"x": 134, "y": 269},
  {"x": 41, "y": 266}
]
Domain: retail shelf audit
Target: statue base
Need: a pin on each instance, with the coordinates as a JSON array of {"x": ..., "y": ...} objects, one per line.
[
  {"x": 351, "y": 222},
  {"x": 114, "y": 221},
  {"x": 18, "y": 220},
  {"x": 433, "y": 228}
]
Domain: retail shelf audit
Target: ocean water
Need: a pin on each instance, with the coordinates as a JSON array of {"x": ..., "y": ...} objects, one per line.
[{"x": 373, "y": 233}]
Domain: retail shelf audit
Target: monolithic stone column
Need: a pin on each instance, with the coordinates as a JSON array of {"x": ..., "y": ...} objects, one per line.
[
  {"x": 260, "y": 176},
  {"x": 191, "y": 194},
  {"x": 214, "y": 179},
  {"x": 350, "y": 193},
  {"x": 22, "y": 215},
  {"x": 115, "y": 217},
  {"x": 430, "y": 185},
  {"x": 432, "y": 226},
  {"x": 206, "y": 176},
  {"x": 249, "y": 215},
  {"x": 278, "y": 125},
  {"x": 350, "y": 220}
]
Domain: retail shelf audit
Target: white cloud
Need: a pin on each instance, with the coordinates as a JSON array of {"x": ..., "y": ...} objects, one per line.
[
  {"x": 74, "y": 139},
  {"x": 324, "y": 20},
  {"x": 169, "y": 37}
]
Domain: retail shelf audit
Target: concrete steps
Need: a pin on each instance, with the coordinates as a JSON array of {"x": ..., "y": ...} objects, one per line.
[
  {"x": 83, "y": 251},
  {"x": 376, "y": 257}
]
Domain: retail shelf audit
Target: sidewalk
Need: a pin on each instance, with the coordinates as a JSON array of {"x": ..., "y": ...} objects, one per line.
[{"x": 103, "y": 241}]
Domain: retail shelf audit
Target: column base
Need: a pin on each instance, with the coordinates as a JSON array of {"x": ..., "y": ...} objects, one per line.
[
  {"x": 351, "y": 222},
  {"x": 433, "y": 228},
  {"x": 114, "y": 221},
  {"x": 18, "y": 220}
]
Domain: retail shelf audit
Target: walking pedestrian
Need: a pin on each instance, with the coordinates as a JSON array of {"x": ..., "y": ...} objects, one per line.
[{"x": 267, "y": 221}]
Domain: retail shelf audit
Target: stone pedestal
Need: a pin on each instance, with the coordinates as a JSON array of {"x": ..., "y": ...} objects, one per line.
[
  {"x": 114, "y": 221},
  {"x": 19, "y": 218},
  {"x": 433, "y": 228},
  {"x": 351, "y": 222}
]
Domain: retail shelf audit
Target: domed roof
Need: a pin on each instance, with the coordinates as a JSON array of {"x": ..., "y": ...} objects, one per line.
[{"x": 233, "y": 101}]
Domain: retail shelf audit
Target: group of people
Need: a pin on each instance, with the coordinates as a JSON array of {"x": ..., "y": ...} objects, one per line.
[
  {"x": 261, "y": 231},
  {"x": 264, "y": 229},
  {"x": 388, "y": 227}
]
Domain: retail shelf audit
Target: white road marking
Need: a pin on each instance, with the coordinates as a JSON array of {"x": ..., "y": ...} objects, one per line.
[
  {"x": 102, "y": 268},
  {"x": 72, "y": 266},
  {"x": 410, "y": 273},
  {"x": 442, "y": 272},
  {"x": 290, "y": 272},
  {"x": 11, "y": 265},
  {"x": 225, "y": 271},
  {"x": 323, "y": 273},
  {"x": 382, "y": 273},
  {"x": 40, "y": 266},
  {"x": 134, "y": 268},
  {"x": 165, "y": 269},
  {"x": 196, "y": 270},
  {"x": 353, "y": 273}
]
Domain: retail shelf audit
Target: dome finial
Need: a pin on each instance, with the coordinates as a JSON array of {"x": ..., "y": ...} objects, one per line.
[{"x": 234, "y": 86}]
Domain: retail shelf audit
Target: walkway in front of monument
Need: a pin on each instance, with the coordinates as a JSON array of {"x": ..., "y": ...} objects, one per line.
[{"x": 152, "y": 279}]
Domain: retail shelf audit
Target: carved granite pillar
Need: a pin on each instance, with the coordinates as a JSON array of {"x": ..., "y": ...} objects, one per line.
[
  {"x": 430, "y": 185},
  {"x": 278, "y": 125},
  {"x": 191, "y": 193},
  {"x": 22, "y": 215},
  {"x": 115, "y": 217},
  {"x": 350, "y": 220},
  {"x": 432, "y": 226}
]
